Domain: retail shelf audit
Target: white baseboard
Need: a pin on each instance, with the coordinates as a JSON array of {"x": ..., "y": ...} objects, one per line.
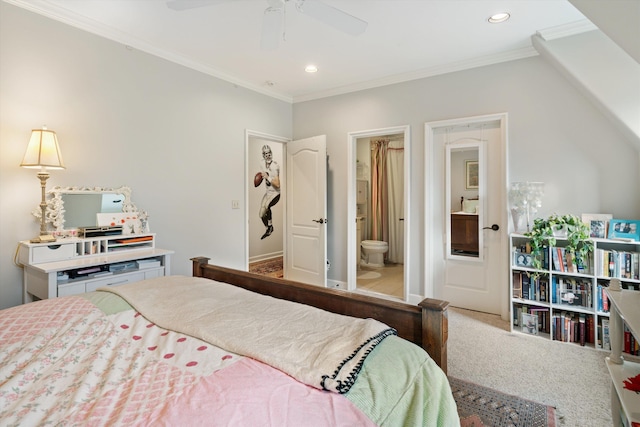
[
  {"x": 335, "y": 284},
  {"x": 415, "y": 299},
  {"x": 264, "y": 257}
]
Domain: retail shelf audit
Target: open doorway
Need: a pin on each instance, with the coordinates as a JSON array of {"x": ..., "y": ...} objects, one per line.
[
  {"x": 377, "y": 204},
  {"x": 266, "y": 177}
]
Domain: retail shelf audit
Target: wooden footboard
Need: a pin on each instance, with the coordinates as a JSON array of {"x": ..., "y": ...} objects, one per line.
[{"x": 425, "y": 324}]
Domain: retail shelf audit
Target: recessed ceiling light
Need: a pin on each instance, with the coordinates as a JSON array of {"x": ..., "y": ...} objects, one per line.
[
  {"x": 311, "y": 69},
  {"x": 499, "y": 17}
]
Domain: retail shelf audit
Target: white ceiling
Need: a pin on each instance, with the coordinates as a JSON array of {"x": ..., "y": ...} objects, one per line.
[{"x": 404, "y": 39}]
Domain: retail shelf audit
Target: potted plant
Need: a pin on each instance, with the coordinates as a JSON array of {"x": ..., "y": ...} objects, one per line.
[{"x": 569, "y": 227}]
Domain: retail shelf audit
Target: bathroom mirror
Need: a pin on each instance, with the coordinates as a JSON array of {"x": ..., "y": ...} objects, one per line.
[
  {"x": 464, "y": 198},
  {"x": 74, "y": 207}
]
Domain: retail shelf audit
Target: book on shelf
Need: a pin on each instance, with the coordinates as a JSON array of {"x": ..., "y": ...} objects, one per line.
[
  {"x": 602, "y": 300},
  {"x": 564, "y": 261},
  {"x": 543, "y": 288},
  {"x": 631, "y": 344},
  {"x": 606, "y": 339},
  {"x": 620, "y": 264},
  {"x": 556, "y": 255},
  {"x": 590, "y": 330},
  {"x": 517, "y": 314},
  {"x": 543, "y": 318},
  {"x": 526, "y": 287},
  {"x": 571, "y": 267},
  {"x": 517, "y": 284},
  {"x": 572, "y": 327}
]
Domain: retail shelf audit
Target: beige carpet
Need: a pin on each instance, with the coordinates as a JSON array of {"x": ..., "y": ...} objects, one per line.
[{"x": 571, "y": 378}]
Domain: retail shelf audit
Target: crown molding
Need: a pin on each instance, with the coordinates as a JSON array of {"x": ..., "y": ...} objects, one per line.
[
  {"x": 566, "y": 30},
  {"x": 424, "y": 73}
]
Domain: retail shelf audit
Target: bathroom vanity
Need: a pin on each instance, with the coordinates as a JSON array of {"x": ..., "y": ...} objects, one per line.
[{"x": 464, "y": 232}]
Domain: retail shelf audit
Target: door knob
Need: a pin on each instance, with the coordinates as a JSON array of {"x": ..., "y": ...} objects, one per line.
[
  {"x": 494, "y": 227},
  {"x": 320, "y": 221}
]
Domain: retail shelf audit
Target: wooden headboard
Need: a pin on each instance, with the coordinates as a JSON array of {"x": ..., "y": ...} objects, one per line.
[{"x": 425, "y": 324}]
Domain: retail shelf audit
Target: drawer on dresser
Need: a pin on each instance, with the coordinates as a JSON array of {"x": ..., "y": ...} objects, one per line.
[
  {"x": 119, "y": 279},
  {"x": 56, "y": 252},
  {"x": 70, "y": 289}
]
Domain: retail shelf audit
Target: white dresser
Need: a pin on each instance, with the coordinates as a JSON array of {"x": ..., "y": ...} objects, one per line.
[{"x": 76, "y": 266}]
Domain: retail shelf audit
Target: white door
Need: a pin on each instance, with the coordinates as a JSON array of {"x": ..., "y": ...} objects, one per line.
[
  {"x": 306, "y": 188},
  {"x": 472, "y": 282}
]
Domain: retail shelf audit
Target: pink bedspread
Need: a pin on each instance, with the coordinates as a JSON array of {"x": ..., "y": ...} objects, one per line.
[{"x": 63, "y": 361}]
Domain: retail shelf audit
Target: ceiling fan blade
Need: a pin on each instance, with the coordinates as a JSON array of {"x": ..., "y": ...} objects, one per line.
[
  {"x": 271, "y": 28},
  {"x": 334, "y": 17},
  {"x": 192, "y": 4}
]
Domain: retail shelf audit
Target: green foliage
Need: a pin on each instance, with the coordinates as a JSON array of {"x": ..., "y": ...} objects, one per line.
[{"x": 542, "y": 236}]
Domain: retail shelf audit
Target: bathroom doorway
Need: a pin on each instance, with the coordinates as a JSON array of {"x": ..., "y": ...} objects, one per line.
[{"x": 378, "y": 226}]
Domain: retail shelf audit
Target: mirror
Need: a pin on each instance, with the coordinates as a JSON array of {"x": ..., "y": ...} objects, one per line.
[
  {"x": 74, "y": 207},
  {"x": 80, "y": 209},
  {"x": 464, "y": 198}
]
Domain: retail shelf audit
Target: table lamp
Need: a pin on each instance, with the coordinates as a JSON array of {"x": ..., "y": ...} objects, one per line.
[{"x": 43, "y": 152}]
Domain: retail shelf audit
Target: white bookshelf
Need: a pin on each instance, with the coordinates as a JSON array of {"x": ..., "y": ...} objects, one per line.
[{"x": 605, "y": 262}]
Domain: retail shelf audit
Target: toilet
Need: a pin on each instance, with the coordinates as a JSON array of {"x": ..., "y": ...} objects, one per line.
[{"x": 373, "y": 253}]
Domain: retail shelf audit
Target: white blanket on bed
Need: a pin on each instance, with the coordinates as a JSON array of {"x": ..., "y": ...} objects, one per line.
[{"x": 318, "y": 348}]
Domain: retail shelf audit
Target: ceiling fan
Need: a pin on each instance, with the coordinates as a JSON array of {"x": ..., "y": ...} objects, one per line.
[{"x": 274, "y": 14}]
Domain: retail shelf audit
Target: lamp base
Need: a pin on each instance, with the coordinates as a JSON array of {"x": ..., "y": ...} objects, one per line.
[{"x": 45, "y": 238}]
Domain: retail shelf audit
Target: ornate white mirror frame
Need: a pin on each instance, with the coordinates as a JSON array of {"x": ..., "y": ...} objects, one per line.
[{"x": 56, "y": 209}]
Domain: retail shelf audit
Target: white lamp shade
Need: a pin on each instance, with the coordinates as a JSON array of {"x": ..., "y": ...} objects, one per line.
[{"x": 43, "y": 151}]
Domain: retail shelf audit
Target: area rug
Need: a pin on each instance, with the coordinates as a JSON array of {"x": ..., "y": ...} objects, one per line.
[
  {"x": 480, "y": 406},
  {"x": 271, "y": 267}
]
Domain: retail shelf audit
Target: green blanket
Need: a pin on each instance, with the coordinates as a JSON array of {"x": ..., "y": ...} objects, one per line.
[{"x": 400, "y": 385}]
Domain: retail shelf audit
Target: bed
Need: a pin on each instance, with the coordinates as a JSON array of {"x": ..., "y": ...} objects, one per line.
[{"x": 216, "y": 349}]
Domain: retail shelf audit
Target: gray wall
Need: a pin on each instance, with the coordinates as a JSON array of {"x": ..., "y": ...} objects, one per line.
[
  {"x": 123, "y": 117},
  {"x": 555, "y": 135},
  {"x": 176, "y": 137}
]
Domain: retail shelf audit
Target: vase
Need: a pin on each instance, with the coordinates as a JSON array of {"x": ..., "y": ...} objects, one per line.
[
  {"x": 560, "y": 232},
  {"x": 519, "y": 221}
]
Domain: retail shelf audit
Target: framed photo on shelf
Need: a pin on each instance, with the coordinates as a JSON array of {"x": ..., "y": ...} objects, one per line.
[
  {"x": 598, "y": 224},
  {"x": 471, "y": 174},
  {"x": 530, "y": 323},
  {"x": 624, "y": 229},
  {"x": 523, "y": 259}
]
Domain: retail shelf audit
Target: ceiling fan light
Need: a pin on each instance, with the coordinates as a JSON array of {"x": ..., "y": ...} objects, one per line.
[
  {"x": 311, "y": 69},
  {"x": 499, "y": 17}
]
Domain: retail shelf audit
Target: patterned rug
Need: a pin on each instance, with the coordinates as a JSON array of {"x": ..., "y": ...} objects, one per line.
[
  {"x": 270, "y": 267},
  {"x": 480, "y": 406}
]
